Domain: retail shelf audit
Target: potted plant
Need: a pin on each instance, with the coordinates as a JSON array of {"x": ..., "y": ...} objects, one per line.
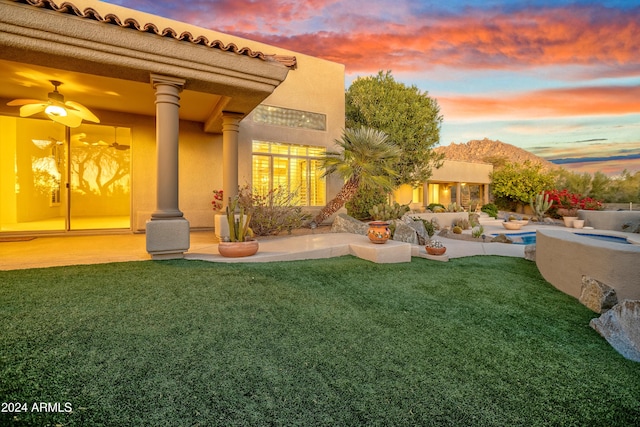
[
  {"x": 240, "y": 242},
  {"x": 435, "y": 247}
]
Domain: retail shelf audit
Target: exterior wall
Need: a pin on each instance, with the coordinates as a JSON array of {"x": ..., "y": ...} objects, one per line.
[
  {"x": 563, "y": 258},
  {"x": 456, "y": 171}
]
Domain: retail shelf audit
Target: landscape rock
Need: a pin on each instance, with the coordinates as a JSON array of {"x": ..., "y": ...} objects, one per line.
[
  {"x": 631, "y": 227},
  {"x": 405, "y": 233},
  {"x": 596, "y": 295},
  {"x": 344, "y": 223},
  {"x": 502, "y": 238},
  {"x": 421, "y": 232},
  {"x": 530, "y": 252},
  {"x": 620, "y": 326}
]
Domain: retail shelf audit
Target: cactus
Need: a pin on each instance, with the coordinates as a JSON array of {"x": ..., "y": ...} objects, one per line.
[
  {"x": 384, "y": 212},
  {"x": 239, "y": 230},
  {"x": 540, "y": 205},
  {"x": 457, "y": 230}
]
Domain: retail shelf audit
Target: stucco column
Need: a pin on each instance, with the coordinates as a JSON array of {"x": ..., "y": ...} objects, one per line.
[
  {"x": 167, "y": 232},
  {"x": 485, "y": 194},
  {"x": 167, "y": 131},
  {"x": 458, "y": 194},
  {"x": 230, "y": 131}
]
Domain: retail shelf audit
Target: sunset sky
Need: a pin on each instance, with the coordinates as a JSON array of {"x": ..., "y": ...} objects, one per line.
[{"x": 558, "y": 78}]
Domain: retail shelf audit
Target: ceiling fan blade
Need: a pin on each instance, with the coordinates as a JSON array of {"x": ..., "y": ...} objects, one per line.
[
  {"x": 17, "y": 102},
  {"x": 82, "y": 111},
  {"x": 72, "y": 119},
  {"x": 31, "y": 109}
]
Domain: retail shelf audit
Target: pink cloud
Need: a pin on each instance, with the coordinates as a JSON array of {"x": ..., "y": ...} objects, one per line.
[{"x": 589, "y": 101}]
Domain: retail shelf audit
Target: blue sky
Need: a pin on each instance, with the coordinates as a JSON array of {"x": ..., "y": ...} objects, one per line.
[{"x": 558, "y": 78}]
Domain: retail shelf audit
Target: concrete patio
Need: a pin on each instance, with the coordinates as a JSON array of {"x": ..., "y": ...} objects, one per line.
[{"x": 94, "y": 249}]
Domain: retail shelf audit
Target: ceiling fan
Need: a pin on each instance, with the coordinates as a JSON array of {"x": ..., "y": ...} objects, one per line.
[{"x": 67, "y": 113}]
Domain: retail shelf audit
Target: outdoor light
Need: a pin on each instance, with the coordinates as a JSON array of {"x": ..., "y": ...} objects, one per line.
[{"x": 56, "y": 111}]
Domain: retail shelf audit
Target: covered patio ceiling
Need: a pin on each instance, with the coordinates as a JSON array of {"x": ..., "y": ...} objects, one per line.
[{"x": 105, "y": 54}]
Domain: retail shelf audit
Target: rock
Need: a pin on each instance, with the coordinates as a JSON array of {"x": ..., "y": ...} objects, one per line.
[
  {"x": 596, "y": 295},
  {"x": 502, "y": 238},
  {"x": 530, "y": 253},
  {"x": 474, "y": 218},
  {"x": 421, "y": 232},
  {"x": 344, "y": 223},
  {"x": 620, "y": 326},
  {"x": 631, "y": 227},
  {"x": 405, "y": 233}
]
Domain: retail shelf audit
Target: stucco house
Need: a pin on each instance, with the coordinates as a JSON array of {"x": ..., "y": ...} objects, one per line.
[{"x": 181, "y": 111}]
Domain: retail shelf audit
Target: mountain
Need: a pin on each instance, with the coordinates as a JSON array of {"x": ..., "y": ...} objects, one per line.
[{"x": 489, "y": 151}]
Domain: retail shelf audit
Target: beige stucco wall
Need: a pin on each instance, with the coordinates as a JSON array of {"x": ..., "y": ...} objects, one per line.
[
  {"x": 457, "y": 171},
  {"x": 563, "y": 258}
]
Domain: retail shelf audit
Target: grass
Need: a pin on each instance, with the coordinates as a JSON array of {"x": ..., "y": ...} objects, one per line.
[{"x": 480, "y": 341}]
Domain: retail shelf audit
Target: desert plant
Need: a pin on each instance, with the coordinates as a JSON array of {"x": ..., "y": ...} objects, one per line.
[
  {"x": 540, "y": 204},
  {"x": 433, "y": 206},
  {"x": 385, "y": 212},
  {"x": 463, "y": 223},
  {"x": 457, "y": 230},
  {"x": 490, "y": 209},
  {"x": 273, "y": 212},
  {"x": 238, "y": 222},
  {"x": 454, "y": 207},
  {"x": 430, "y": 226},
  {"x": 477, "y": 231}
]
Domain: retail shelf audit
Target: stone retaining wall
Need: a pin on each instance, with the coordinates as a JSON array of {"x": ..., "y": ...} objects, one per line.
[
  {"x": 564, "y": 257},
  {"x": 445, "y": 219}
]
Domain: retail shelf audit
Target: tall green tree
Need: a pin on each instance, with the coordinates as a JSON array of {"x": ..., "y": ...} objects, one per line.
[
  {"x": 410, "y": 117},
  {"x": 366, "y": 160},
  {"x": 515, "y": 184}
]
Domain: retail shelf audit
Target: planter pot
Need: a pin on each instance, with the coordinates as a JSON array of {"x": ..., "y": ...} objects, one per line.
[
  {"x": 512, "y": 225},
  {"x": 435, "y": 251},
  {"x": 568, "y": 220},
  {"x": 379, "y": 231},
  {"x": 238, "y": 249},
  {"x": 578, "y": 223}
]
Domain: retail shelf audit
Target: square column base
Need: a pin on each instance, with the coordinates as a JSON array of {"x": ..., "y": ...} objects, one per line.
[{"x": 167, "y": 238}]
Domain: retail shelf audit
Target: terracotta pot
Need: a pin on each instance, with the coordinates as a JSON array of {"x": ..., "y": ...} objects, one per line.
[
  {"x": 435, "y": 251},
  {"x": 238, "y": 249},
  {"x": 379, "y": 231}
]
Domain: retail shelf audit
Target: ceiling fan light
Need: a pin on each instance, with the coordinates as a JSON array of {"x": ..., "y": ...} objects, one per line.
[{"x": 56, "y": 110}]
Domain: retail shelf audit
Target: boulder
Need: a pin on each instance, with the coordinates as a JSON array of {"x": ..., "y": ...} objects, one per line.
[
  {"x": 530, "y": 252},
  {"x": 620, "y": 326},
  {"x": 405, "y": 233},
  {"x": 344, "y": 223},
  {"x": 421, "y": 232},
  {"x": 596, "y": 295},
  {"x": 502, "y": 238}
]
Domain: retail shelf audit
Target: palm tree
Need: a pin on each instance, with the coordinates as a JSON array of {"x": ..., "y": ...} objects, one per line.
[{"x": 365, "y": 160}]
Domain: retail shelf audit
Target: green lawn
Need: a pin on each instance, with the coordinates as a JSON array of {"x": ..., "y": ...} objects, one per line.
[{"x": 480, "y": 341}]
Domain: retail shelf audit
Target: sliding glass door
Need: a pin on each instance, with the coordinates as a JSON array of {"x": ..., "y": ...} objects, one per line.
[{"x": 53, "y": 178}]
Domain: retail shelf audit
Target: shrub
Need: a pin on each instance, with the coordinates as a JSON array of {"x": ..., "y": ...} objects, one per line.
[
  {"x": 365, "y": 199},
  {"x": 432, "y": 206},
  {"x": 478, "y": 231},
  {"x": 490, "y": 209},
  {"x": 462, "y": 223},
  {"x": 273, "y": 212}
]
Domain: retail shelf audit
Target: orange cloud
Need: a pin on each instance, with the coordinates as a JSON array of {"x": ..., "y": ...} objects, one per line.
[
  {"x": 588, "y": 101},
  {"x": 532, "y": 37}
]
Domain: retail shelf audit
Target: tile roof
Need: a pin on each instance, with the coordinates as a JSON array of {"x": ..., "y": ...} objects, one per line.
[{"x": 149, "y": 27}]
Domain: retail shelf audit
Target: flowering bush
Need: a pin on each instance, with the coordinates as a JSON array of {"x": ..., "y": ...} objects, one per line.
[
  {"x": 273, "y": 212},
  {"x": 571, "y": 202},
  {"x": 217, "y": 200}
]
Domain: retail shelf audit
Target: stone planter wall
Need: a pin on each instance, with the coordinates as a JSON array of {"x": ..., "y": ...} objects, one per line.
[{"x": 444, "y": 219}]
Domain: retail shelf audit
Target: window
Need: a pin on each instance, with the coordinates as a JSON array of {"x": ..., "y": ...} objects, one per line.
[
  {"x": 291, "y": 118},
  {"x": 294, "y": 167}
]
